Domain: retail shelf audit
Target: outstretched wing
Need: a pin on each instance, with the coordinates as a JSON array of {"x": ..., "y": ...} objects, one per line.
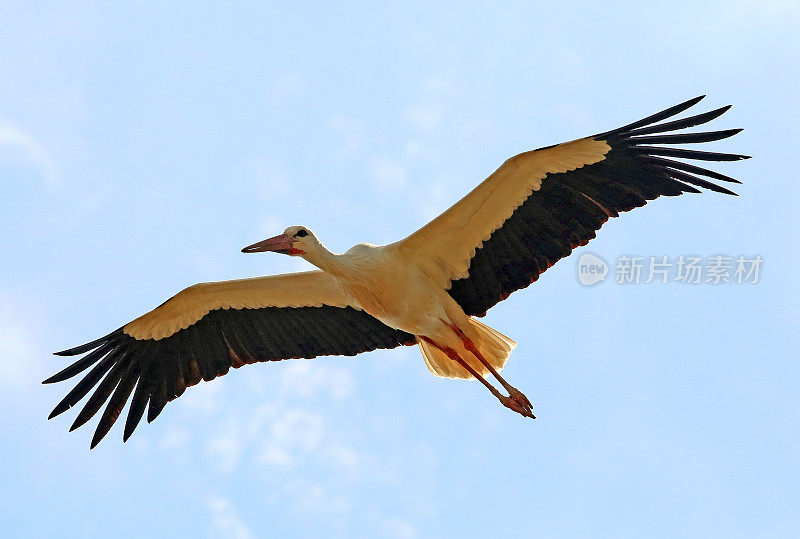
[
  {"x": 541, "y": 204},
  {"x": 206, "y": 329}
]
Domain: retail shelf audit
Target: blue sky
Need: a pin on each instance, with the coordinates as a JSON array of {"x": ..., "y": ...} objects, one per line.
[{"x": 143, "y": 144}]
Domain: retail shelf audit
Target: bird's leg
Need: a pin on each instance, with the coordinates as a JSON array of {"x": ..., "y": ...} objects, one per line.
[
  {"x": 513, "y": 392},
  {"x": 508, "y": 402}
]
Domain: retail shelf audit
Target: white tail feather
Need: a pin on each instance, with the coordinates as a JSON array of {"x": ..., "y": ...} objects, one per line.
[{"x": 492, "y": 344}]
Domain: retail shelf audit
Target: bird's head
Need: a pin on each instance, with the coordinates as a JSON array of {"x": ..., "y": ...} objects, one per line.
[{"x": 295, "y": 240}]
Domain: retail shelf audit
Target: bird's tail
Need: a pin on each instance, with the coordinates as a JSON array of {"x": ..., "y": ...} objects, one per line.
[{"x": 493, "y": 345}]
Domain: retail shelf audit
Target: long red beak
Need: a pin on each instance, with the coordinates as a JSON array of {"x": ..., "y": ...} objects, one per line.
[{"x": 279, "y": 244}]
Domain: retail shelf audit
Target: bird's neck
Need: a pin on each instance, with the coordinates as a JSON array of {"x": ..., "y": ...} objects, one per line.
[{"x": 326, "y": 261}]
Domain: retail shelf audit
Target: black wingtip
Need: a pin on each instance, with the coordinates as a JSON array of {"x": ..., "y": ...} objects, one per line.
[
  {"x": 89, "y": 345},
  {"x": 653, "y": 118},
  {"x": 681, "y": 138},
  {"x": 81, "y": 365},
  {"x": 725, "y": 191},
  {"x": 692, "y": 102},
  {"x": 689, "y": 102},
  {"x": 82, "y": 348},
  {"x": 85, "y": 415},
  {"x": 683, "y": 123},
  {"x": 98, "y": 436},
  {"x": 154, "y": 411},
  {"x": 61, "y": 376}
]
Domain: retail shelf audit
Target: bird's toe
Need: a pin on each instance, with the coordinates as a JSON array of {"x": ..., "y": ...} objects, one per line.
[
  {"x": 520, "y": 397},
  {"x": 518, "y": 406}
]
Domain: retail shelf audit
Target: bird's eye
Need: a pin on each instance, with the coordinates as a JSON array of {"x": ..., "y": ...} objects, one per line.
[{"x": 301, "y": 233}]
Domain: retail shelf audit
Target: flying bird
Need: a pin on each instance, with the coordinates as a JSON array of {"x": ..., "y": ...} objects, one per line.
[{"x": 427, "y": 289}]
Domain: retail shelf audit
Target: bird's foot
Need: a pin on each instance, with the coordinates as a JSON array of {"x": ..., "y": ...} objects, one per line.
[
  {"x": 519, "y": 403},
  {"x": 520, "y": 397}
]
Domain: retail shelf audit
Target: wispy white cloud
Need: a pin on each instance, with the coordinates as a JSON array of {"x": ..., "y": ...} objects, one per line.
[
  {"x": 316, "y": 500},
  {"x": 176, "y": 438},
  {"x": 271, "y": 226},
  {"x": 226, "y": 521},
  {"x": 225, "y": 450},
  {"x": 425, "y": 117},
  {"x": 433, "y": 198},
  {"x": 18, "y": 354},
  {"x": 15, "y": 138},
  {"x": 344, "y": 457},
  {"x": 349, "y": 132},
  {"x": 302, "y": 379},
  {"x": 767, "y": 8},
  {"x": 438, "y": 85},
  {"x": 428, "y": 111},
  {"x": 389, "y": 176},
  {"x": 293, "y": 440},
  {"x": 285, "y": 87},
  {"x": 285, "y": 431},
  {"x": 576, "y": 116},
  {"x": 756, "y": 15},
  {"x": 204, "y": 397},
  {"x": 270, "y": 179},
  {"x": 413, "y": 149},
  {"x": 400, "y": 528},
  {"x": 293, "y": 435}
]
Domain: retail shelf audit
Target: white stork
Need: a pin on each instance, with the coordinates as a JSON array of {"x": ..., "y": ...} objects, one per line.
[{"x": 425, "y": 289}]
